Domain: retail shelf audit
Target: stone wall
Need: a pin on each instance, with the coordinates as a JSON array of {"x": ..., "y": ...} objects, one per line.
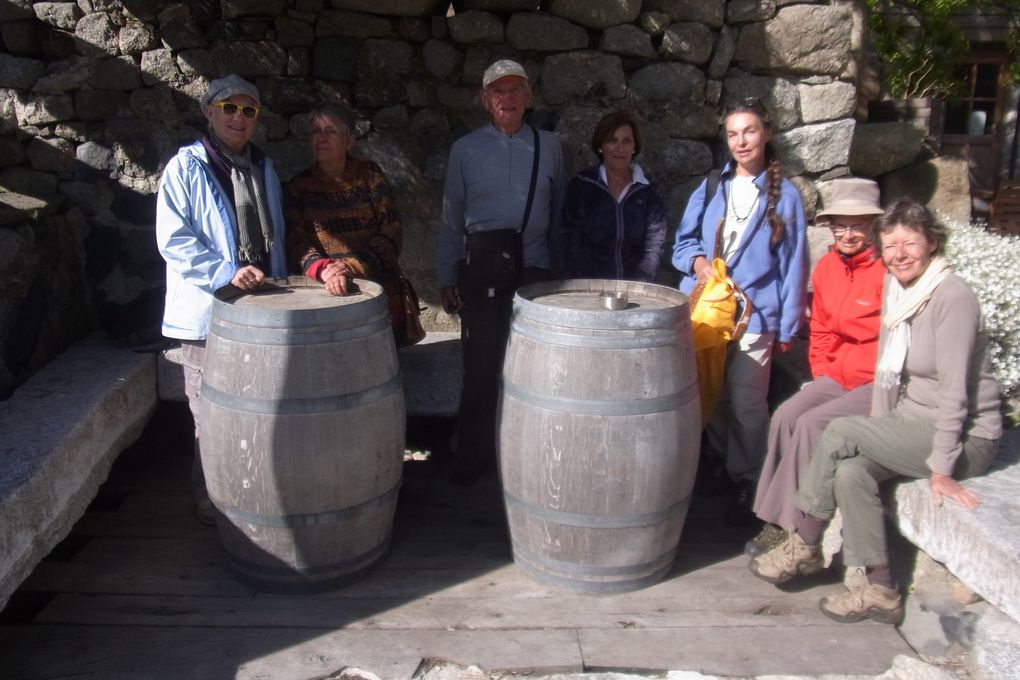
[{"x": 96, "y": 95}]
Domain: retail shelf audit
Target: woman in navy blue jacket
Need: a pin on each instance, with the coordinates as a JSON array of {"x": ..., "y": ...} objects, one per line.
[
  {"x": 764, "y": 246},
  {"x": 614, "y": 224}
]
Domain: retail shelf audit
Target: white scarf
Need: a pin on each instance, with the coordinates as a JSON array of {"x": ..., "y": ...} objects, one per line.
[{"x": 900, "y": 306}]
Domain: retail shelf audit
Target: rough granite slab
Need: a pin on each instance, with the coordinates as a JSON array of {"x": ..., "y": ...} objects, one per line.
[
  {"x": 59, "y": 434},
  {"x": 433, "y": 372},
  {"x": 981, "y": 547}
]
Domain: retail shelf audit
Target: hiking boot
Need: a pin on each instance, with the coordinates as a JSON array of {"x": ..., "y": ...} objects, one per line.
[
  {"x": 863, "y": 600},
  {"x": 768, "y": 538},
  {"x": 791, "y": 557},
  {"x": 738, "y": 513}
]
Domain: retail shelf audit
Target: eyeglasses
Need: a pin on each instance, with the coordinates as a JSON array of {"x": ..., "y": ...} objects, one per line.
[
  {"x": 840, "y": 229},
  {"x": 230, "y": 108}
]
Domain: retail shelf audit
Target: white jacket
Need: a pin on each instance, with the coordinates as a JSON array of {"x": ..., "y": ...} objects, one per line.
[{"x": 195, "y": 232}]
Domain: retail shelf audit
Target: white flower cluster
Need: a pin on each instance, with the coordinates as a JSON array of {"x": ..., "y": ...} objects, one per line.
[{"x": 990, "y": 263}]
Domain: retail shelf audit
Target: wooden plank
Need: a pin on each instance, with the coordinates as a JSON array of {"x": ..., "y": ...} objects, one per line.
[
  {"x": 151, "y": 579},
  {"x": 823, "y": 647},
  {"x": 430, "y": 613},
  {"x": 115, "y": 653}
]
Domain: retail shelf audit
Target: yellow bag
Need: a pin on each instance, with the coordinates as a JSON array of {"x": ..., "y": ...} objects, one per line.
[{"x": 714, "y": 324}]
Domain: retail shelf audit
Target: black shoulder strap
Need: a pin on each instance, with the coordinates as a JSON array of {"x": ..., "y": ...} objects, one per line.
[
  {"x": 711, "y": 185},
  {"x": 534, "y": 180}
]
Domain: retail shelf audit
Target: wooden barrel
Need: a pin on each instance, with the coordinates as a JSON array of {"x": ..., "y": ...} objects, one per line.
[
  {"x": 302, "y": 433},
  {"x": 599, "y": 433}
]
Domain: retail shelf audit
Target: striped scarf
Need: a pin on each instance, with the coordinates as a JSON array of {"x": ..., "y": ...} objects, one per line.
[{"x": 254, "y": 222}]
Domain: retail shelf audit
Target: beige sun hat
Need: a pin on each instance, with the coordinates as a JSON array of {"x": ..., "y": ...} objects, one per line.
[{"x": 852, "y": 196}]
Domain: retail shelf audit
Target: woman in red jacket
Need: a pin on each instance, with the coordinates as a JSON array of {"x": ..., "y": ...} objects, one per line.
[{"x": 845, "y": 310}]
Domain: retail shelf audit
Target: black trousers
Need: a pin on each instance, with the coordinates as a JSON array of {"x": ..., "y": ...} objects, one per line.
[{"x": 485, "y": 329}]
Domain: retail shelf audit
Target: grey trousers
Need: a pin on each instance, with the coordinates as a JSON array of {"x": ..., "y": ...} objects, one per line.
[
  {"x": 738, "y": 428},
  {"x": 794, "y": 432},
  {"x": 854, "y": 455},
  {"x": 192, "y": 358}
]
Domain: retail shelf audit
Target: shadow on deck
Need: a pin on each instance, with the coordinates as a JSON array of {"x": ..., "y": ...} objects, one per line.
[{"x": 139, "y": 590}]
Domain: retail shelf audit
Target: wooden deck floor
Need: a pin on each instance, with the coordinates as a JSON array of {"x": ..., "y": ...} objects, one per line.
[{"x": 139, "y": 591}]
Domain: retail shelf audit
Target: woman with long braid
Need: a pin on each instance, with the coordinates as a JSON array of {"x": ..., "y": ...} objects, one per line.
[{"x": 764, "y": 246}]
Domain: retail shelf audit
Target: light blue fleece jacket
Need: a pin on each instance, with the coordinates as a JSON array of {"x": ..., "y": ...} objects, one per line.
[
  {"x": 774, "y": 280},
  {"x": 196, "y": 233}
]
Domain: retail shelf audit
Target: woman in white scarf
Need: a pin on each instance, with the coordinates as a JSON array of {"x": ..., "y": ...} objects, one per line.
[{"x": 935, "y": 415}]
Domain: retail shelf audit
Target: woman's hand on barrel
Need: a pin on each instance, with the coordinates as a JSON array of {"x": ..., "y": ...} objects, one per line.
[
  {"x": 248, "y": 278},
  {"x": 944, "y": 486},
  {"x": 335, "y": 277}
]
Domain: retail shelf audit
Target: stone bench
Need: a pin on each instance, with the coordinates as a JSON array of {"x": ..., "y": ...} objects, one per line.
[
  {"x": 981, "y": 547},
  {"x": 59, "y": 434},
  {"x": 431, "y": 370}
]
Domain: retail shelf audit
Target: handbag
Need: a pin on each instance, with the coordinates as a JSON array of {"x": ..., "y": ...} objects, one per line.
[
  {"x": 715, "y": 323},
  {"x": 716, "y": 300},
  {"x": 409, "y": 328},
  {"x": 493, "y": 260}
]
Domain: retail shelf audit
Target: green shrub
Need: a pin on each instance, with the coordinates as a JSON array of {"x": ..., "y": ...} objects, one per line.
[{"x": 991, "y": 265}]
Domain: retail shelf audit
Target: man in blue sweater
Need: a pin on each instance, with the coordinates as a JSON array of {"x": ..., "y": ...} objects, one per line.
[{"x": 504, "y": 187}]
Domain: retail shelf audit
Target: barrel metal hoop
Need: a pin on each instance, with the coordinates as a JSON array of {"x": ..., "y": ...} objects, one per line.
[
  {"x": 586, "y": 521},
  {"x": 306, "y": 406},
  {"x": 594, "y": 407},
  {"x": 663, "y": 337},
  {"x": 561, "y": 566},
  {"x": 308, "y": 335},
  {"x": 596, "y": 587},
  {"x": 336, "y": 569},
  {"x": 310, "y": 519}
]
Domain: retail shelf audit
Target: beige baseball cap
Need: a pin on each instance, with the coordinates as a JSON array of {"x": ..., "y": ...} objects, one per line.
[{"x": 502, "y": 69}]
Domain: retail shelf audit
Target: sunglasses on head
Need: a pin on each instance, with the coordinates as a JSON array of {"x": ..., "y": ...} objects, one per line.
[
  {"x": 229, "y": 109},
  {"x": 746, "y": 103}
]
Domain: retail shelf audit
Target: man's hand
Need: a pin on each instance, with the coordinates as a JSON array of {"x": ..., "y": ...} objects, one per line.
[
  {"x": 944, "y": 486},
  {"x": 450, "y": 299}
]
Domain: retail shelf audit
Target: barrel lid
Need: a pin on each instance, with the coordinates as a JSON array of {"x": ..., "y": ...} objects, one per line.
[
  {"x": 298, "y": 293},
  {"x": 578, "y": 302}
]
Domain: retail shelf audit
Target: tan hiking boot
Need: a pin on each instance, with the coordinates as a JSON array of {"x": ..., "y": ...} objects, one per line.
[
  {"x": 768, "y": 538},
  {"x": 791, "y": 557},
  {"x": 863, "y": 600}
]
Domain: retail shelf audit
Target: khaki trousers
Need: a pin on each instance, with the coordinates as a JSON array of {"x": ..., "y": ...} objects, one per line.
[{"x": 857, "y": 453}]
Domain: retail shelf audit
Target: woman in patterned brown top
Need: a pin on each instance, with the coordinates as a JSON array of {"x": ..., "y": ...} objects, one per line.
[{"x": 341, "y": 217}]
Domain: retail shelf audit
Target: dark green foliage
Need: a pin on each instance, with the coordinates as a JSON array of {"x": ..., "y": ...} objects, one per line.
[{"x": 918, "y": 43}]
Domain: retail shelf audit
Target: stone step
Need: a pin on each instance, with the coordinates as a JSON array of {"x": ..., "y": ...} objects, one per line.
[{"x": 59, "y": 434}]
